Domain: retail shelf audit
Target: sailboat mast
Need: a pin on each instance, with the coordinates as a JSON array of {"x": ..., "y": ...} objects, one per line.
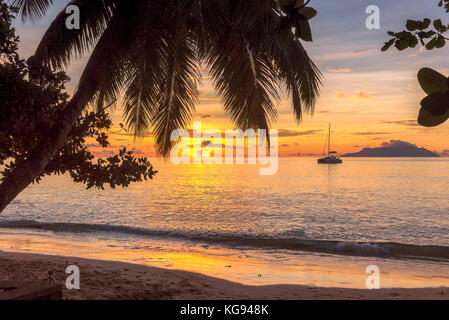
[{"x": 329, "y": 140}]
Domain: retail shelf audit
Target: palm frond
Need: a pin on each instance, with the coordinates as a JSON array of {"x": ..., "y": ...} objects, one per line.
[
  {"x": 147, "y": 57},
  {"x": 138, "y": 106},
  {"x": 60, "y": 44},
  {"x": 300, "y": 75},
  {"x": 108, "y": 67},
  {"x": 178, "y": 91},
  {"x": 31, "y": 9},
  {"x": 153, "y": 49},
  {"x": 246, "y": 79},
  {"x": 207, "y": 20}
]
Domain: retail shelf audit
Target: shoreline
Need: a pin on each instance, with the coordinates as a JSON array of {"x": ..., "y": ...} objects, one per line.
[{"x": 113, "y": 280}]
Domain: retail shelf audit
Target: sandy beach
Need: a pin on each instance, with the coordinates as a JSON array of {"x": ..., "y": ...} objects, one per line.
[{"x": 106, "y": 280}]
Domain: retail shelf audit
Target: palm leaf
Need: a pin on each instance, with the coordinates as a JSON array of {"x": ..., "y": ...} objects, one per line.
[
  {"x": 147, "y": 57},
  {"x": 300, "y": 76},
  {"x": 246, "y": 80},
  {"x": 178, "y": 92},
  {"x": 32, "y": 9},
  {"x": 60, "y": 44},
  {"x": 108, "y": 66}
]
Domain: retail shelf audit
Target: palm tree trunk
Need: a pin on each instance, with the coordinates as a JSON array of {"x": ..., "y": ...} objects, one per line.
[{"x": 25, "y": 172}]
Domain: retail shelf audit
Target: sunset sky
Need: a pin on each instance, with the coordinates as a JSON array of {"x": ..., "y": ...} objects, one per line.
[{"x": 369, "y": 96}]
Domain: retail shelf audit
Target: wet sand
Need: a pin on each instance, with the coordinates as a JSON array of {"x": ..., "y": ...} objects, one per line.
[{"x": 106, "y": 280}]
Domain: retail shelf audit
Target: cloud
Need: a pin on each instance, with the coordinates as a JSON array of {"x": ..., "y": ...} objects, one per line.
[
  {"x": 137, "y": 151},
  {"x": 203, "y": 116},
  {"x": 370, "y": 133},
  {"x": 361, "y": 95},
  {"x": 128, "y": 134},
  {"x": 356, "y": 52},
  {"x": 397, "y": 144},
  {"x": 407, "y": 123},
  {"x": 341, "y": 70},
  {"x": 340, "y": 95},
  {"x": 283, "y": 133},
  {"x": 92, "y": 145},
  {"x": 206, "y": 143},
  {"x": 209, "y": 97},
  {"x": 345, "y": 54},
  {"x": 103, "y": 153},
  {"x": 285, "y": 145}
]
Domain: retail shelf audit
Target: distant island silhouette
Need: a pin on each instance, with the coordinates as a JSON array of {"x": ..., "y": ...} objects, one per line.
[{"x": 394, "y": 148}]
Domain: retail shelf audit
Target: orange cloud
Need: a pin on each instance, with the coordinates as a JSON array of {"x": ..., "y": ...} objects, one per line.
[
  {"x": 359, "y": 96},
  {"x": 363, "y": 95},
  {"x": 355, "y": 52},
  {"x": 341, "y": 70},
  {"x": 407, "y": 123},
  {"x": 340, "y": 95},
  {"x": 346, "y": 54}
]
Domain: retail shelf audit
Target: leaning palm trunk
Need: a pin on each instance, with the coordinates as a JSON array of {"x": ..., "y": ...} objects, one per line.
[{"x": 25, "y": 172}]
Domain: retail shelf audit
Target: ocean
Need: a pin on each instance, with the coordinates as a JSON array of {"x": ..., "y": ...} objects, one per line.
[{"x": 308, "y": 224}]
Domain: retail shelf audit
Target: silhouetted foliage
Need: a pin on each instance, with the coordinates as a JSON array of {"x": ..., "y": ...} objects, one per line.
[
  {"x": 430, "y": 34},
  {"x": 29, "y": 108},
  {"x": 153, "y": 51}
]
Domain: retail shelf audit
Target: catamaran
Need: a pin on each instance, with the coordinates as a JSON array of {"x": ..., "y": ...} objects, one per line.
[{"x": 332, "y": 156}]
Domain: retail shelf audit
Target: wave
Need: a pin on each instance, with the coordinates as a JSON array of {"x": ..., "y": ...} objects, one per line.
[{"x": 375, "y": 249}]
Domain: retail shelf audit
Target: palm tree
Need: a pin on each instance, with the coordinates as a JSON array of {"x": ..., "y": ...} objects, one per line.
[{"x": 153, "y": 51}]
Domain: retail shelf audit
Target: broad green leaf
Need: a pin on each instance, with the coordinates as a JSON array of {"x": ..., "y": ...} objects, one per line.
[
  {"x": 388, "y": 45},
  {"x": 413, "y": 42},
  {"x": 304, "y": 31},
  {"x": 438, "y": 24},
  {"x": 401, "y": 44},
  {"x": 429, "y": 34},
  {"x": 437, "y": 103},
  {"x": 431, "y": 44},
  {"x": 440, "y": 42},
  {"x": 308, "y": 12},
  {"x": 424, "y": 24},
  {"x": 432, "y": 81},
  {"x": 426, "y": 119},
  {"x": 412, "y": 25}
]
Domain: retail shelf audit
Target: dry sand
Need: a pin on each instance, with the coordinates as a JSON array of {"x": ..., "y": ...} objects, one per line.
[{"x": 118, "y": 280}]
